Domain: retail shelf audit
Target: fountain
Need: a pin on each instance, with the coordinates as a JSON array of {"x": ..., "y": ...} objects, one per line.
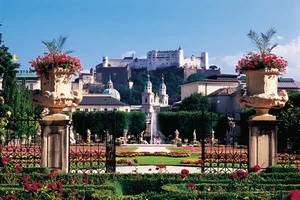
[{"x": 155, "y": 135}]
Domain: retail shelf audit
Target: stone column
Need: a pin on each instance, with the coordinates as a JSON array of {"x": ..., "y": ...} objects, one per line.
[
  {"x": 55, "y": 142},
  {"x": 263, "y": 142}
]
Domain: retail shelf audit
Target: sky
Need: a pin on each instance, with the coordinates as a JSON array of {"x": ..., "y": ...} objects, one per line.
[{"x": 115, "y": 28}]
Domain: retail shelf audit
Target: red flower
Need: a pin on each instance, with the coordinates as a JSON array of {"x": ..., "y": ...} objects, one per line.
[
  {"x": 161, "y": 166},
  {"x": 201, "y": 163},
  {"x": 184, "y": 173},
  {"x": 239, "y": 174},
  {"x": 255, "y": 168},
  {"x": 5, "y": 160},
  {"x": 26, "y": 179},
  {"x": 293, "y": 195},
  {"x": 18, "y": 169},
  {"x": 9, "y": 197},
  {"x": 33, "y": 187},
  {"x": 53, "y": 173},
  {"x": 191, "y": 185},
  {"x": 57, "y": 186},
  {"x": 128, "y": 162}
]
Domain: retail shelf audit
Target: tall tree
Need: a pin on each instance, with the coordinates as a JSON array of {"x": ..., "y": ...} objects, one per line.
[
  {"x": 195, "y": 102},
  {"x": 16, "y": 99}
]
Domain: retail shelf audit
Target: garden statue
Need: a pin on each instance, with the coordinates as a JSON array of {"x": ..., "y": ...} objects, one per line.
[
  {"x": 125, "y": 137},
  {"x": 88, "y": 136},
  {"x": 72, "y": 136},
  {"x": 194, "y": 136},
  {"x": 176, "y": 134},
  {"x": 230, "y": 133},
  {"x": 77, "y": 138},
  {"x": 177, "y": 139}
]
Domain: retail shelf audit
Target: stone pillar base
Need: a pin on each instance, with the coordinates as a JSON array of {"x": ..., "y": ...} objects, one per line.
[
  {"x": 55, "y": 142},
  {"x": 263, "y": 142}
]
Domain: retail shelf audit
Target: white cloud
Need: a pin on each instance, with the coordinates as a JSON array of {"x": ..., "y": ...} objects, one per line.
[
  {"x": 128, "y": 53},
  {"x": 291, "y": 52},
  {"x": 227, "y": 63},
  {"x": 279, "y": 37}
]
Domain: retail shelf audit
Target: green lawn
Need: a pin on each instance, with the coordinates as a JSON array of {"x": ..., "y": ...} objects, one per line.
[
  {"x": 153, "y": 160},
  {"x": 176, "y": 149}
]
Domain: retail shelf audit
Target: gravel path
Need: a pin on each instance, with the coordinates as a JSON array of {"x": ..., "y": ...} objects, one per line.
[{"x": 151, "y": 149}]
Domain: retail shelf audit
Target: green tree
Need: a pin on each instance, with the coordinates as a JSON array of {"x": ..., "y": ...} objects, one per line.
[
  {"x": 294, "y": 99},
  {"x": 195, "y": 77},
  {"x": 289, "y": 130},
  {"x": 137, "y": 123},
  {"x": 24, "y": 113},
  {"x": 195, "y": 102},
  {"x": 8, "y": 70},
  {"x": 16, "y": 99}
]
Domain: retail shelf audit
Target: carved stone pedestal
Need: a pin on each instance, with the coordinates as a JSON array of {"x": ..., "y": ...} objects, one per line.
[
  {"x": 55, "y": 142},
  {"x": 263, "y": 142}
]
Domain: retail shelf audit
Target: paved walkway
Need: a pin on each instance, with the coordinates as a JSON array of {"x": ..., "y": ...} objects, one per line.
[
  {"x": 152, "y": 149},
  {"x": 152, "y": 169}
]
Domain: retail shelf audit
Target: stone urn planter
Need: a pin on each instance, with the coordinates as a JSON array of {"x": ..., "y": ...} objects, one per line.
[
  {"x": 262, "y": 71},
  {"x": 262, "y": 95},
  {"x": 55, "y": 71},
  {"x": 56, "y": 92}
]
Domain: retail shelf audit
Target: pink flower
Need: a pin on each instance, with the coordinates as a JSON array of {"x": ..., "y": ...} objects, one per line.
[
  {"x": 293, "y": 195},
  {"x": 261, "y": 61},
  {"x": 239, "y": 174},
  {"x": 57, "y": 186},
  {"x": 5, "y": 160},
  {"x": 9, "y": 197},
  {"x": 184, "y": 173},
  {"x": 18, "y": 169},
  {"x": 255, "y": 168},
  {"x": 161, "y": 166},
  {"x": 201, "y": 163},
  {"x": 191, "y": 185}
]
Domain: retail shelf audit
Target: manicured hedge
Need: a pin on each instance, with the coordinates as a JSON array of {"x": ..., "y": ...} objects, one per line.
[
  {"x": 112, "y": 121},
  {"x": 153, "y": 186},
  {"x": 187, "y": 122}
]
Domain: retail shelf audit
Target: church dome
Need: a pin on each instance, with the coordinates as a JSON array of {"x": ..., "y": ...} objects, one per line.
[
  {"x": 111, "y": 91},
  {"x": 162, "y": 85}
]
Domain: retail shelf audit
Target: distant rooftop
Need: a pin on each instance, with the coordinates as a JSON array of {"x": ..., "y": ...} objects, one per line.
[
  {"x": 100, "y": 100},
  {"x": 224, "y": 92},
  {"x": 26, "y": 74}
]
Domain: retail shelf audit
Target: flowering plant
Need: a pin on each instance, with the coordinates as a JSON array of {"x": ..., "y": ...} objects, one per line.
[
  {"x": 264, "y": 59},
  {"x": 58, "y": 60},
  {"x": 239, "y": 175},
  {"x": 49, "y": 189},
  {"x": 255, "y": 61}
]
